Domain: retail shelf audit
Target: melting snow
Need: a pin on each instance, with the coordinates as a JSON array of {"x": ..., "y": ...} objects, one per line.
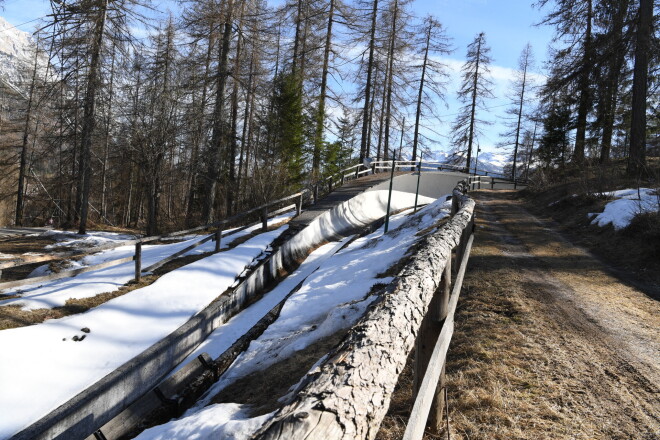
[
  {"x": 332, "y": 298},
  {"x": 627, "y": 204},
  {"x": 41, "y": 366},
  {"x": 56, "y": 293}
]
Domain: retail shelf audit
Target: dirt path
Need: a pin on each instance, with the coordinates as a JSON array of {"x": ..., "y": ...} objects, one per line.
[{"x": 548, "y": 343}]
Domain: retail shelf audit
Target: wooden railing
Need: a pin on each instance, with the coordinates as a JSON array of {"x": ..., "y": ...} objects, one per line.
[
  {"x": 217, "y": 227},
  {"x": 431, "y": 346},
  {"x": 347, "y": 395}
]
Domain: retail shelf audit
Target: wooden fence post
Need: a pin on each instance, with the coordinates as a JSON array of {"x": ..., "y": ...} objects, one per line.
[
  {"x": 138, "y": 261},
  {"x": 342, "y": 180},
  {"x": 492, "y": 183},
  {"x": 218, "y": 237},
  {"x": 264, "y": 219},
  {"x": 444, "y": 292},
  {"x": 299, "y": 205},
  {"x": 357, "y": 171},
  {"x": 330, "y": 185},
  {"x": 428, "y": 335},
  {"x": 316, "y": 193}
]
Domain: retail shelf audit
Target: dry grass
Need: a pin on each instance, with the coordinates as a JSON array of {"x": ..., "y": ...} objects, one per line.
[
  {"x": 524, "y": 365},
  {"x": 526, "y": 362}
]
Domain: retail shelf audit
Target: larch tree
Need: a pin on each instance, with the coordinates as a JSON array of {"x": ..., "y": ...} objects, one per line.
[
  {"x": 476, "y": 87},
  {"x": 520, "y": 93},
  {"x": 433, "y": 42},
  {"x": 637, "y": 157}
]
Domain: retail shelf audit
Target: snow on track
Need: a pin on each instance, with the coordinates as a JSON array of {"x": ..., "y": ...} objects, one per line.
[
  {"x": 224, "y": 336},
  {"x": 41, "y": 366},
  {"x": 56, "y": 293},
  {"x": 332, "y": 298}
]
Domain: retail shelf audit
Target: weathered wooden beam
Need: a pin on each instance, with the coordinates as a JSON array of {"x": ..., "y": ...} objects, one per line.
[
  {"x": 348, "y": 395},
  {"x": 432, "y": 386}
]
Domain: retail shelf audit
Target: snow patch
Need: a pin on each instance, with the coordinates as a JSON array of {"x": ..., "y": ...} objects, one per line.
[
  {"x": 218, "y": 421},
  {"x": 120, "y": 329},
  {"x": 332, "y": 298},
  {"x": 627, "y": 204}
]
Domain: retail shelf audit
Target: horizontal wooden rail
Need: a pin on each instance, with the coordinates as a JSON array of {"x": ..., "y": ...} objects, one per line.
[
  {"x": 428, "y": 391},
  {"x": 21, "y": 261},
  {"x": 68, "y": 273},
  {"x": 138, "y": 251},
  {"x": 347, "y": 395}
]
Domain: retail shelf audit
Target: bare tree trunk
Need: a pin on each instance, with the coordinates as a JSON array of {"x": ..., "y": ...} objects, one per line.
[
  {"x": 219, "y": 134},
  {"x": 232, "y": 189},
  {"x": 583, "y": 103},
  {"x": 617, "y": 59},
  {"x": 637, "y": 159},
  {"x": 89, "y": 120},
  {"x": 366, "y": 113},
  {"x": 198, "y": 137},
  {"x": 20, "y": 191},
  {"x": 246, "y": 121},
  {"x": 320, "y": 114},
  {"x": 390, "y": 61},
  {"x": 420, "y": 93},
  {"x": 106, "y": 148},
  {"x": 520, "y": 114}
]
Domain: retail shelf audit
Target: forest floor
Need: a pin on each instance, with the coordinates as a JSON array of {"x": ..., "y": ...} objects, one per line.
[{"x": 548, "y": 342}]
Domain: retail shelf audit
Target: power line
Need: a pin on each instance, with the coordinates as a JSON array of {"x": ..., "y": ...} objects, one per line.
[{"x": 27, "y": 22}]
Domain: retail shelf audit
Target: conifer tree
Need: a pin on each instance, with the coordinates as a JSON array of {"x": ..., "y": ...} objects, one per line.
[{"x": 476, "y": 87}]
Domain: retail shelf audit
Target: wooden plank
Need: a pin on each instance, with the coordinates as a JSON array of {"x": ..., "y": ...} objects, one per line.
[{"x": 422, "y": 406}]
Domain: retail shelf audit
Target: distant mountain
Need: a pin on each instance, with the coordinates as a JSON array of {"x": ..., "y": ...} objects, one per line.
[
  {"x": 16, "y": 54},
  {"x": 491, "y": 162}
]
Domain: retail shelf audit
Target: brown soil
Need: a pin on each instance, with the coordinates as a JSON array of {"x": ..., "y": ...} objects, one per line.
[
  {"x": 20, "y": 245},
  {"x": 548, "y": 344}
]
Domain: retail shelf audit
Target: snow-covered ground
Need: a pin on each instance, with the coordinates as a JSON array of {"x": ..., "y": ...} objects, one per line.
[
  {"x": 626, "y": 205},
  {"x": 42, "y": 366},
  {"x": 89, "y": 240},
  {"x": 331, "y": 298},
  {"x": 56, "y": 293}
]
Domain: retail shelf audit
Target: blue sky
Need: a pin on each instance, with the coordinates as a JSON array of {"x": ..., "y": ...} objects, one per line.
[{"x": 508, "y": 24}]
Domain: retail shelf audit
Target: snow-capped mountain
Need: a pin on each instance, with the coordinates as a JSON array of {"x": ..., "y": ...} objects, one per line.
[
  {"x": 16, "y": 54},
  {"x": 491, "y": 162}
]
